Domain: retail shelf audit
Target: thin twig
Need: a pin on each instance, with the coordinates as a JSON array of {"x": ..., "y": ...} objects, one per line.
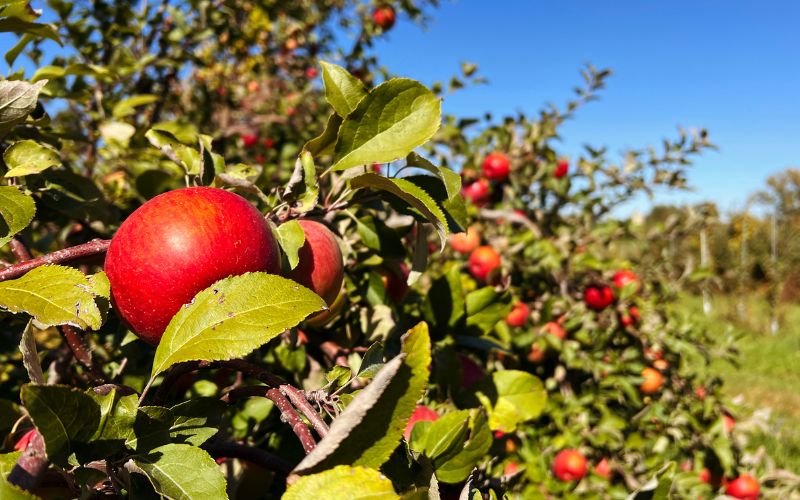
[
  {"x": 257, "y": 456},
  {"x": 94, "y": 247},
  {"x": 299, "y": 400},
  {"x": 19, "y": 250},
  {"x": 77, "y": 344}
]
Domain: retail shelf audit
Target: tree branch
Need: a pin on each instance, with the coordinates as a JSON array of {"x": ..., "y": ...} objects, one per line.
[
  {"x": 94, "y": 247},
  {"x": 19, "y": 250},
  {"x": 77, "y": 344},
  {"x": 252, "y": 454},
  {"x": 299, "y": 400}
]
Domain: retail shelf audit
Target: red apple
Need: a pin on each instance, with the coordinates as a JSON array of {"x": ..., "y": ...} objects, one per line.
[
  {"x": 744, "y": 487},
  {"x": 178, "y": 244},
  {"x": 536, "y": 355},
  {"x": 384, "y": 17},
  {"x": 562, "y": 167},
  {"x": 421, "y": 414},
  {"x": 268, "y": 143},
  {"x": 510, "y": 468},
  {"x": 555, "y": 329},
  {"x": 320, "y": 267},
  {"x": 728, "y": 423},
  {"x": 465, "y": 242},
  {"x": 625, "y": 277},
  {"x": 395, "y": 280},
  {"x": 630, "y": 318},
  {"x": 311, "y": 73},
  {"x": 700, "y": 391},
  {"x": 518, "y": 315},
  {"x": 471, "y": 372},
  {"x": 496, "y": 166},
  {"x": 569, "y": 465},
  {"x": 477, "y": 192},
  {"x": 653, "y": 380},
  {"x": 704, "y": 475},
  {"x": 598, "y": 297},
  {"x": 603, "y": 469},
  {"x": 249, "y": 140},
  {"x": 482, "y": 261}
]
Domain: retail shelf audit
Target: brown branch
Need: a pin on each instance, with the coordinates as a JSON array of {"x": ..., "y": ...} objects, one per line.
[
  {"x": 94, "y": 247},
  {"x": 257, "y": 456},
  {"x": 77, "y": 344},
  {"x": 30, "y": 467},
  {"x": 19, "y": 250},
  {"x": 299, "y": 400}
]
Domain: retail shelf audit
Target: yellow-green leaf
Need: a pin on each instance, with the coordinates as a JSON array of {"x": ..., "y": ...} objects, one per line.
[
  {"x": 16, "y": 212},
  {"x": 343, "y": 482},
  {"x": 29, "y": 157}
]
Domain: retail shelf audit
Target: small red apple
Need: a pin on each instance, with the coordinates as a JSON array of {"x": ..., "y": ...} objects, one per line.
[
  {"x": 700, "y": 391},
  {"x": 471, "y": 372},
  {"x": 395, "y": 280},
  {"x": 496, "y": 166},
  {"x": 728, "y": 423},
  {"x": 555, "y": 329},
  {"x": 569, "y": 465},
  {"x": 704, "y": 475},
  {"x": 320, "y": 267},
  {"x": 176, "y": 245},
  {"x": 311, "y": 73},
  {"x": 625, "y": 277},
  {"x": 653, "y": 380},
  {"x": 536, "y": 355},
  {"x": 376, "y": 167},
  {"x": 477, "y": 192},
  {"x": 598, "y": 297},
  {"x": 744, "y": 487},
  {"x": 518, "y": 315},
  {"x": 631, "y": 317},
  {"x": 603, "y": 469},
  {"x": 249, "y": 140},
  {"x": 482, "y": 261},
  {"x": 384, "y": 17},
  {"x": 421, "y": 414},
  {"x": 562, "y": 167},
  {"x": 465, "y": 242},
  {"x": 25, "y": 440},
  {"x": 510, "y": 468},
  {"x": 268, "y": 143}
]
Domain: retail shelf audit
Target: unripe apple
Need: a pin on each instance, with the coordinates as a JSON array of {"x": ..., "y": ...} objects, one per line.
[
  {"x": 384, "y": 17},
  {"x": 598, "y": 297},
  {"x": 653, "y": 380},
  {"x": 395, "y": 280},
  {"x": 482, "y": 261},
  {"x": 465, "y": 242},
  {"x": 249, "y": 140},
  {"x": 320, "y": 266},
  {"x": 625, "y": 277},
  {"x": 496, "y": 166},
  {"x": 744, "y": 487},
  {"x": 25, "y": 440},
  {"x": 471, "y": 372},
  {"x": 176, "y": 245},
  {"x": 555, "y": 329},
  {"x": 562, "y": 167},
  {"x": 477, "y": 192},
  {"x": 518, "y": 315},
  {"x": 603, "y": 469},
  {"x": 569, "y": 465},
  {"x": 421, "y": 414}
]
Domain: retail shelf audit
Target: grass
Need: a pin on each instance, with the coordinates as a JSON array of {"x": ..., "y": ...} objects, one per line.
[{"x": 769, "y": 372}]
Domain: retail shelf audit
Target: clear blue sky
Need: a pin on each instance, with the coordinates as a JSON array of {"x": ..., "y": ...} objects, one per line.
[{"x": 728, "y": 65}]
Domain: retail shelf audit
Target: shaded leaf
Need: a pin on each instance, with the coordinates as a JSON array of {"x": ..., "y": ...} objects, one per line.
[
  {"x": 182, "y": 472},
  {"x": 17, "y": 100},
  {"x": 511, "y": 397},
  {"x": 30, "y": 357},
  {"x": 29, "y": 157}
]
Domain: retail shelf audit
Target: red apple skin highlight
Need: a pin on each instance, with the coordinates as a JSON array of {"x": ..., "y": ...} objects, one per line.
[
  {"x": 320, "y": 267},
  {"x": 178, "y": 244}
]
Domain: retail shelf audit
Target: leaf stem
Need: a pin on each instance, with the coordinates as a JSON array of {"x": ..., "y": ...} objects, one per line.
[{"x": 94, "y": 247}]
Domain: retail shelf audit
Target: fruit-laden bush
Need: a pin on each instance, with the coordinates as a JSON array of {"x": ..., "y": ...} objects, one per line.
[{"x": 337, "y": 343}]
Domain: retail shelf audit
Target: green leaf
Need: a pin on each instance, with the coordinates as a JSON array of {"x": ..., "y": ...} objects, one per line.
[
  {"x": 65, "y": 417},
  {"x": 411, "y": 194},
  {"x": 21, "y": 9},
  {"x": 233, "y": 317},
  {"x": 30, "y": 357},
  {"x": 324, "y": 143},
  {"x": 115, "y": 132},
  {"x": 175, "y": 150},
  {"x": 29, "y": 157},
  {"x": 8, "y": 461},
  {"x": 342, "y": 90},
  {"x": 444, "y": 438},
  {"x": 457, "y": 468},
  {"x": 16, "y": 212},
  {"x": 372, "y": 361},
  {"x": 129, "y": 105},
  {"x": 343, "y": 481},
  {"x": 371, "y": 426},
  {"x": 182, "y": 472},
  {"x": 450, "y": 179},
  {"x": 291, "y": 239},
  {"x": 444, "y": 304},
  {"x": 16, "y": 50},
  {"x": 396, "y": 117},
  {"x": 79, "y": 69},
  {"x": 485, "y": 307},
  {"x": 197, "y": 420},
  {"x": 53, "y": 295},
  {"x": 17, "y": 100},
  {"x": 15, "y": 25},
  {"x": 511, "y": 397}
]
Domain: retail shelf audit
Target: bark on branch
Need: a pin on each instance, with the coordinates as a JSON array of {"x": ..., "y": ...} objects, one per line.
[{"x": 71, "y": 254}]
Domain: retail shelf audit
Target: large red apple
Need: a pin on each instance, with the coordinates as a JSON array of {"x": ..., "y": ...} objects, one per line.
[
  {"x": 421, "y": 414},
  {"x": 320, "y": 267},
  {"x": 598, "y": 297},
  {"x": 477, "y": 192},
  {"x": 482, "y": 261},
  {"x": 569, "y": 465},
  {"x": 178, "y": 244},
  {"x": 465, "y": 242},
  {"x": 518, "y": 314},
  {"x": 384, "y": 17},
  {"x": 496, "y": 166},
  {"x": 744, "y": 487}
]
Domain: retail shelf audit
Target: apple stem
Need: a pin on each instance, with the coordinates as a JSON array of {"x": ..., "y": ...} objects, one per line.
[
  {"x": 30, "y": 466},
  {"x": 94, "y": 247},
  {"x": 80, "y": 350},
  {"x": 257, "y": 456}
]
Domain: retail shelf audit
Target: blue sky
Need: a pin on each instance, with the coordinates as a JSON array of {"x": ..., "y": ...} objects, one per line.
[{"x": 730, "y": 66}]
